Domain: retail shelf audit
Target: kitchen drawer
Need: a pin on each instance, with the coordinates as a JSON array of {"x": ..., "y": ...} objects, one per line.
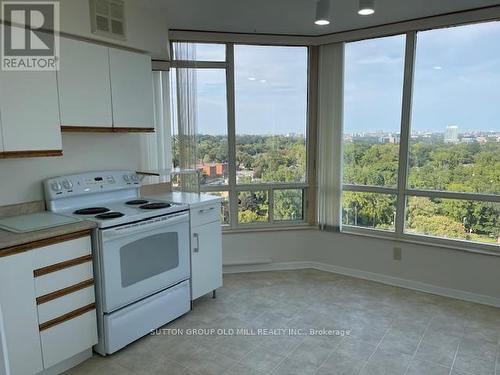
[
  {"x": 68, "y": 338},
  {"x": 65, "y": 304},
  {"x": 61, "y": 252},
  {"x": 63, "y": 278},
  {"x": 205, "y": 214}
]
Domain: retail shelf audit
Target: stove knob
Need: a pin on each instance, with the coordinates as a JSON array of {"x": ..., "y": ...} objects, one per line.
[
  {"x": 134, "y": 177},
  {"x": 67, "y": 184},
  {"x": 126, "y": 178},
  {"x": 56, "y": 186}
]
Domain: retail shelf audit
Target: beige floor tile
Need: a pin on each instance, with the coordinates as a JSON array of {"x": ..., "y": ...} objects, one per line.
[
  {"x": 427, "y": 368},
  {"x": 385, "y": 363},
  {"x": 315, "y": 299},
  {"x": 262, "y": 359}
]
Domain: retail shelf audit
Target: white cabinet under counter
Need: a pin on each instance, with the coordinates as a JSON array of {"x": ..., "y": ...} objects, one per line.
[
  {"x": 206, "y": 239},
  {"x": 48, "y": 306}
]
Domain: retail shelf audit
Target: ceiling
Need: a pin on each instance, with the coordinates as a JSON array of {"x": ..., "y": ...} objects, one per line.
[{"x": 295, "y": 17}]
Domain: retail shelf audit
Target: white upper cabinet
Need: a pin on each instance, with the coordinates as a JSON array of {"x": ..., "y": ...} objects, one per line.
[
  {"x": 131, "y": 89},
  {"x": 30, "y": 111},
  {"x": 1, "y": 136},
  {"x": 84, "y": 85}
]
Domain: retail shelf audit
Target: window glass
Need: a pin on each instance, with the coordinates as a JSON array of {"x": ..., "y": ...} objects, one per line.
[
  {"x": 271, "y": 108},
  {"x": 455, "y": 219},
  {"x": 209, "y": 101},
  {"x": 455, "y": 130},
  {"x": 199, "y": 51},
  {"x": 373, "y": 88},
  {"x": 370, "y": 210},
  {"x": 288, "y": 204},
  {"x": 253, "y": 207}
]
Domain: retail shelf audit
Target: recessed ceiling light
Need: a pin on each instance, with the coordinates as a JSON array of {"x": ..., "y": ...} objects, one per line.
[
  {"x": 322, "y": 22},
  {"x": 251, "y": 78},
  {"x": 322, "y": 13},
  {"x": 366, "y": 7},
  {"x": 263, "y": 81},
  {"x": 437, "y": 67}
]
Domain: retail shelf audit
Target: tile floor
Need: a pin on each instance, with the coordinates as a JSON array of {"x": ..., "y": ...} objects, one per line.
[{"x": 393, "y": 331}]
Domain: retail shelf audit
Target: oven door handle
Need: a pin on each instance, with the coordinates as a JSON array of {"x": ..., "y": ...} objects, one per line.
[{"x": 144, "y": 226}]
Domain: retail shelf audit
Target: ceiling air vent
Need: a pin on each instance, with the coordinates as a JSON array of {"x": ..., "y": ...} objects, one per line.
[{"x": 108, "y": 18}]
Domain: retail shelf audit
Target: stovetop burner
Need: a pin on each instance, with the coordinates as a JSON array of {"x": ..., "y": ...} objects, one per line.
[
  {"x": 110, "y": 215},
  {"x": 155, "y": 206},
  {"x": 136, "y": 202},
  {"x": 91, "y": 211}
]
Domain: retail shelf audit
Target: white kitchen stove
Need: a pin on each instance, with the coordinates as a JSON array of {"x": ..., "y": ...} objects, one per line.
[
  {"x": 141, "y": 252},
  {"x": 108, "y": 198}
]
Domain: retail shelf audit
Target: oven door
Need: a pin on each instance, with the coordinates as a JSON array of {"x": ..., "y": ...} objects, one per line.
[{"x": 140, "y": 259}]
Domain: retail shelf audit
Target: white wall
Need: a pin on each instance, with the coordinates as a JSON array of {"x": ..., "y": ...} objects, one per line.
[
  {"x": 439, "y": 270},
  {"x": 146, "y": 25},
  {"x": 20, "y": 179}
]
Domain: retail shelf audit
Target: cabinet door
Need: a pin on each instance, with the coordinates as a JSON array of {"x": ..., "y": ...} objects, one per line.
[
  {"x": 131, "y": 89},
  {"x": 1, "y": 135},
  {"x": 17, "y": 300},
  {"x": 84, "y": 85},
  {"x": 30, "y": 111},
  {"x": 206, "y": 258}
]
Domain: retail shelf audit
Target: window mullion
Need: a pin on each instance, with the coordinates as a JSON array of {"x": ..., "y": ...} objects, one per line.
[
  {"x": 231, "y": 135},
  {"x": 411, "y": 38}
]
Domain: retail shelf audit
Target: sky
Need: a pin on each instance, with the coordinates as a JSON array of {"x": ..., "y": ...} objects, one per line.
[
  {"x": 270, "y": 95},
  {"x": 457, "y": 81}
]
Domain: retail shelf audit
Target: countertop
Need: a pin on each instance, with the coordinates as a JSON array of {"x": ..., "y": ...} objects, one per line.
[
  {"x": 10, "y": 239},
  {"x": 192, "y": 199}
]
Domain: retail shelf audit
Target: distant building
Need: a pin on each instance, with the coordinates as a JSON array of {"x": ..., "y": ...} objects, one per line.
[
  {"x": 389, "y": 139},
  {"x": 213, "y": 169},
  {"x": 451, "y": 134}
]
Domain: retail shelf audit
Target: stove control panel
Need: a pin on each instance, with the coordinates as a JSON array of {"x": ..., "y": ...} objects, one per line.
[{"x": 91, "y": 182}]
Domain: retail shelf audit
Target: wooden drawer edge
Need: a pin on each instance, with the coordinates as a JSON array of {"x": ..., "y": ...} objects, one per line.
[
  {"x": 43, "y": 242},
  {"x": 65, "y": 291},
  {"x": 62, "y": 265},
  {"x": 68, "y": 316},
  {"x": 104, "y": 129},
  {"x": 29, "y": 154}
]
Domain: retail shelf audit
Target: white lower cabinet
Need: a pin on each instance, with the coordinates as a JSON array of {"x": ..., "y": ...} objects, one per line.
[
  {"x": 48, "y": 304},
  {"x": 69, "y": 338},
  {"x": 17, "y": 301},
  {"x": 206, "y": 250}
]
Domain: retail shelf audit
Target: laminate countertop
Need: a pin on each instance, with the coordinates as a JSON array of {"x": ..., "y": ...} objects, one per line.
[
  {"x": 192, "y": 199},
  {"x": 11, "y": 242}
]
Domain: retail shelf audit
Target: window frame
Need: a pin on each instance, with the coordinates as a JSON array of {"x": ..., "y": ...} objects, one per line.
[
  {"x": 233, "y": 189},
  {"x": 402, "y": 191}
]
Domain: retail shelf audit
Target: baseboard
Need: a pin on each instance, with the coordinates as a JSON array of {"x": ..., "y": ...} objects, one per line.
[{"x": 372, "y": 276}]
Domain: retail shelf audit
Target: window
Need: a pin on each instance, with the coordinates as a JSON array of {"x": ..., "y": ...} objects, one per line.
[
  {"x": 451, "y": 145},
  {"x": 271, "y": 103},
  {"x": 372, "y": 110},
  {"x": 256, "y": 162}
]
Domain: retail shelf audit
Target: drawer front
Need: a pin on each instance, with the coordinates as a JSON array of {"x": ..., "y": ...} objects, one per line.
[
  {"x": 61, "y": 252},
  {"x": 65, "y": 304},
  {"x": 63, "y": 278},
  {"x": 205, "y": 214},
  {"x": 68, "y": 338}
]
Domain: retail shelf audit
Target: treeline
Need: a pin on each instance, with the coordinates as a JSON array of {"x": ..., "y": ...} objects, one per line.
[{"x": 473, "y": 168}]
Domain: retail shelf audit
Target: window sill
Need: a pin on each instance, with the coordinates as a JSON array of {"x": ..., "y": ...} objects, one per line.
[
  {"x": 471, "y": 247},
  {"x": 268, "y": 228}
]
